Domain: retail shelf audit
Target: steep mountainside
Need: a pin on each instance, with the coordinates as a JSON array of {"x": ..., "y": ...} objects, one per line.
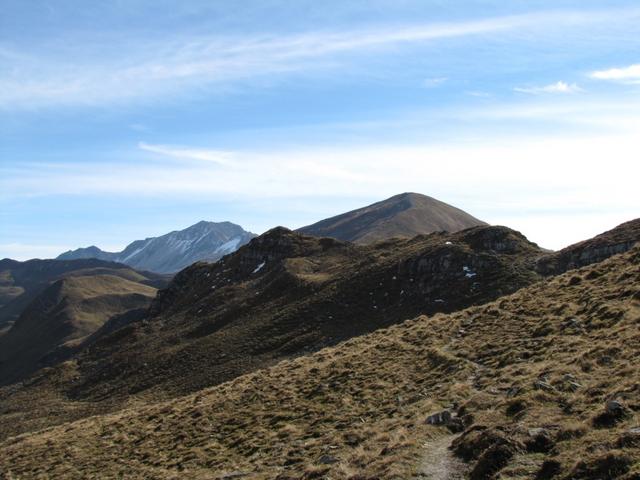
[
  {"x": 404, "y": 215},
  {"x": 283, "y": 295},
  {"x": 204, "y": 241},
  {"x": 21, "y": 282},
  {"x": 540, "y": 384},
  {"x": 61, "y": 316}
]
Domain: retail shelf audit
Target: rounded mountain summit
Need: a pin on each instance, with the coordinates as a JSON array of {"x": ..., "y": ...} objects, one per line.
[{"x": 404, "y": 215}]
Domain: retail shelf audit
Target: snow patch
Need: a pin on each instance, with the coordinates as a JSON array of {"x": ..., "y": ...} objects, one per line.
[
  {"x": 229, "y": 246},
  {"x": 259, "y": 267},
  {"x": 468, "y": 273},
  {"x": 134, "y": 253}
]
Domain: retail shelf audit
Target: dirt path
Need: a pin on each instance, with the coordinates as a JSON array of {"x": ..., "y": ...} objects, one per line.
[{"x": 438, "y": 463}]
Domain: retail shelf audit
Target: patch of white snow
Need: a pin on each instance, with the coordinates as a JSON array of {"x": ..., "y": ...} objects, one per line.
[{"x": 259, "y": 267}]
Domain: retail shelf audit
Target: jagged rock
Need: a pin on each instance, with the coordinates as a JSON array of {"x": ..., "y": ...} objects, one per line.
[
  {"x": 614, "y": 412},
  {"x": 542, "y": 385},
  {"x": 614, "y": 406},
  {"x": 440, "y": 418},
  {"x": 327, "y": 460},
  {"x": 603, "y": 246}
]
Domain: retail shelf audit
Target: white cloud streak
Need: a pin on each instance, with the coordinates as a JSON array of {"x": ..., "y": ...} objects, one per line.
[
  {"x": 434, "y": 82},
  {"x": 554, "y": 88},
  {"x": 580, "y": 181},
  {"x": 215, "y": 156},
  {"x": 630, "y": 74},
  {"x": 149, "y": 69}
]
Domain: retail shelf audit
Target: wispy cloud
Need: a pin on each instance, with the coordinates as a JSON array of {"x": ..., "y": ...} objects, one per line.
[
  {"x": 630, "y": 74},
  {"x": 434, "y": 82},
  {"x": 215, "y": 156},
  {"x": 102, "y": 73},
  {"x": 554, "y": 88},
  {"x": 591, "y": 196}
]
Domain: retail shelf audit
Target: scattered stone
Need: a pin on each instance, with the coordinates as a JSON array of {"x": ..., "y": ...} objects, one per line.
[
  {"x": 327, "y": 460},
  {"x": 614, "y": 406},
  {"x": 574, "y": 386},
  {"x": 440, "y": 418},
  {"x": 614, "y": 412},
  {"x": 233, "y": 475},
  {"x": 542, "y": 385},
  {"x": 513, "y": 392},
  {"x": 534, "y": 432}
]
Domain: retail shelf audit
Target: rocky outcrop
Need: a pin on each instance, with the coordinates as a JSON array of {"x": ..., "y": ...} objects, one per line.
[{"x": 619, "y": 240}]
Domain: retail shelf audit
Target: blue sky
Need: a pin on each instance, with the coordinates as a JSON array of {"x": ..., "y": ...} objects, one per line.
[{"x": 127, "y": 119}]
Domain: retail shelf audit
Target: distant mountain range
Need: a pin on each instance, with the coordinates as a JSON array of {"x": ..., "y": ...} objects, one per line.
[
  {"x": 206, "y": 241},
  {"x": 404, "y": 215}
]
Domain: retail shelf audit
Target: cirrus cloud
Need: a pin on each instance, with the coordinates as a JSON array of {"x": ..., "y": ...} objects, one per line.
[{"x": 554, "y": 88}]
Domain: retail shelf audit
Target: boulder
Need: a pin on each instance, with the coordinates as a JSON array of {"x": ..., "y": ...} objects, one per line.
[{"x": 440, "y": 418}]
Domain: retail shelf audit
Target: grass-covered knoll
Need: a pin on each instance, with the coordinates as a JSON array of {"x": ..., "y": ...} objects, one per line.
[
  {"x": 545, "y": 383},
  {"x": 62, "y": 316}
]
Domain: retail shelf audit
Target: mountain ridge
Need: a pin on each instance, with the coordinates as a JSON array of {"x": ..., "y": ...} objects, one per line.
[
  {"x": 530, "y": 383},
  {"x": 403, "y": 215},
  {"x": 173, "y": 251},
  {"x": 281, "y": 296}
]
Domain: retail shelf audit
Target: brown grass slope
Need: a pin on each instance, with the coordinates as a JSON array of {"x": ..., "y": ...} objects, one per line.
[
  {"x": 309, "y": 293},
  {"x": 64, "y": 314},
  {"x": 404, "y": 215},
  {"x": 21, "y": 282},
  {"x": 216, "y": 322},
  {"x": 530, "y": 375}
]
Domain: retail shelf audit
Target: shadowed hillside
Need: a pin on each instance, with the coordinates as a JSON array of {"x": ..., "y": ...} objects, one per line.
[
  {"x": 286, "y": 294},
  {"x": 540, "y": 384},
  {"x": 404, "y": 215},
  {"x": 60, "y": 317},
  {"x": 281, "y": 296},
  {"x": 21, "y": 282}
]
